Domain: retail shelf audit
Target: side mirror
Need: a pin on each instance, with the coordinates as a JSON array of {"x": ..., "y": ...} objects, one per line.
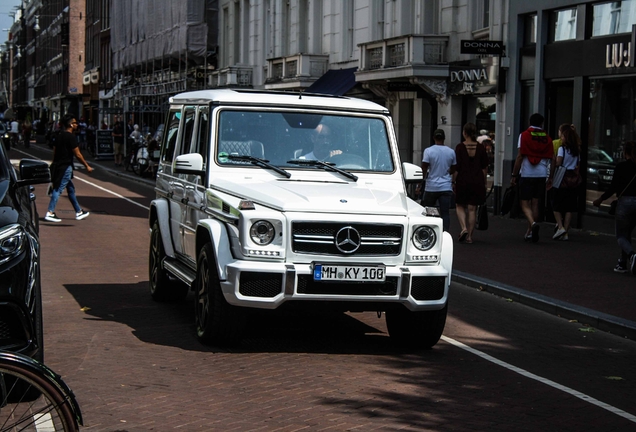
[
  {"x": 191, "y": 163},
  {"x": 412, "y": 173},
  {"x": 33, "y": 172}
]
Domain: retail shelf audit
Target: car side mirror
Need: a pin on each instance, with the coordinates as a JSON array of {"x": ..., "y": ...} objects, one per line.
[
  {"x": 412, "y": 173},
  {"x": 191, "y": 163},
  {"x": 33, "y": 172}
]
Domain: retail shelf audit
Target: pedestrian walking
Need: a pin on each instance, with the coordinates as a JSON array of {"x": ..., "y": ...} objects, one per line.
[
  {"x": 565, "y": 196},
  {"x": 531, "y": 168},
  {"x": 624, "y": 186},
  {"x": 62, "y": 169},
  {"x": 118, "y": 142},
  {"x": 470, "y": 181},
  {"x": 81, "y": 137},
  {"x": 438, "y": 165}
]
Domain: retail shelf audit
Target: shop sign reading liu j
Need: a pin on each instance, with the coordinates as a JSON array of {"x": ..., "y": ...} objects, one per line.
[{"x": 619, "y": 55}]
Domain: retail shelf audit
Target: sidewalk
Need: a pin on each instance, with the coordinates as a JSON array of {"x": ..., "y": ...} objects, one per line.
[{"x": 574, "y": 279}]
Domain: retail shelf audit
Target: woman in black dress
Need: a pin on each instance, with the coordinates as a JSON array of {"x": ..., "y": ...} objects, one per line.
[{"x": 470, "y": 181}]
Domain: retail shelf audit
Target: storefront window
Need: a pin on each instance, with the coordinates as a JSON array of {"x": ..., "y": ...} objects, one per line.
[
  {"x": 614, "y": 17},
  {"x": 612, "y": 123},
  {"x": 563, "y": 25}
]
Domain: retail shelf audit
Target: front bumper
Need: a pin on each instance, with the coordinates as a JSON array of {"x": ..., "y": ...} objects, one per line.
[{"x": 266, "y": 285}]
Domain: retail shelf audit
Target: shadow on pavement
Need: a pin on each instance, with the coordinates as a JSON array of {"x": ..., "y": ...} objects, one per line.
[{"x": 267, "y": 331}]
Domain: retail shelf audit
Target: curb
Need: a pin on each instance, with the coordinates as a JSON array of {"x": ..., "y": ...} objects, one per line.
[{"x": 604, "y": 322}]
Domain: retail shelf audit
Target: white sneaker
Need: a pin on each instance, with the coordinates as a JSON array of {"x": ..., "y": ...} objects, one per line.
[
  {"x": 559, "y": 233},
  {"x": 81, "y": 215},
  {"x": 52, "y": 217}
]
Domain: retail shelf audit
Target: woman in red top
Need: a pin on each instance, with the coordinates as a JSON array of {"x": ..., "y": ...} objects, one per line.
[{"x": 470, "y": 181}]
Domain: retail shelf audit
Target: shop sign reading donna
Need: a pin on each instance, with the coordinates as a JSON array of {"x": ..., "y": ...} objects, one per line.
[{"x": 469, "y": 80}]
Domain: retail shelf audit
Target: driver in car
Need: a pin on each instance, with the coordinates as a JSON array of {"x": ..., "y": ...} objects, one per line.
[{"x": 322, "y": 144}]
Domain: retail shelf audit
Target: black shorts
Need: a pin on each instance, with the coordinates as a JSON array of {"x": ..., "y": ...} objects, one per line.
[{"x": 531, "y": 188}]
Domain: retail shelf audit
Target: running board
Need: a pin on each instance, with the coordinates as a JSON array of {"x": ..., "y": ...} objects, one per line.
[{"x": 179, "y": 270}]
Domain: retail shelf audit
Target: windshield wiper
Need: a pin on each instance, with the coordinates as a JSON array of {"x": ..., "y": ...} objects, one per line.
[
  {"x": 324, "y": 165},
  {"x": 259, "y": 162}
]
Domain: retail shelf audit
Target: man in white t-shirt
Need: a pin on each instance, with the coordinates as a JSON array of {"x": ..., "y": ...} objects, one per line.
[{"x": 440, "y": 162}]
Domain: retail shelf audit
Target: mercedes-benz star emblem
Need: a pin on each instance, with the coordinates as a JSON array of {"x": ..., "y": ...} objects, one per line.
[{"x": 347, "y": 240}]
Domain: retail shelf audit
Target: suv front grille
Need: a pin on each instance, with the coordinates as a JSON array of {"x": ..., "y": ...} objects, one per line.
[
  {"x": 307, "y": 285},
  {"x": 320, "y": 238}
]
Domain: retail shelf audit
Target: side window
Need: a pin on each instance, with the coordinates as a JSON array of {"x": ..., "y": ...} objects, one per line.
[
  {"x": 188, "y": 130},
  {"x": 170, "y": 137},
  {"x": 203, "y": 134}
]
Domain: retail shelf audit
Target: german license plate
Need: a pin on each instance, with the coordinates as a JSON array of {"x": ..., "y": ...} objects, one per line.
[{"x": 349, "y": 273}]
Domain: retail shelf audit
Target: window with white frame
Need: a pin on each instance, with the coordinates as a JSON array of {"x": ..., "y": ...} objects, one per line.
[
  {"x": 482, "y": 14},
  {"x": 613, "y": 17},
  {"x": 564, "y": 25}
]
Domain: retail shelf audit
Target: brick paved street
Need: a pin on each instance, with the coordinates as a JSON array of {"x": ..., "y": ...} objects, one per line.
[{"x": 135, "y": 365}]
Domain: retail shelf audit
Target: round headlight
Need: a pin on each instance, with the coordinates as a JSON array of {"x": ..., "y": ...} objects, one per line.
[
  {"x": 424, "y": 238},
  {"x": 262, "y": 232}
]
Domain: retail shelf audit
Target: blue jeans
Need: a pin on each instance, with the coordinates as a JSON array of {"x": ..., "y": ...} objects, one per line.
[
  {"x": 70, "y": 189},
  {"x": 625, "y": 221},
  {"x": 444, "y": 198}
]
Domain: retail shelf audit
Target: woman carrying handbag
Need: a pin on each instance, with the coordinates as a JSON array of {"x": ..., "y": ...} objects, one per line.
[
  {"x": 625, "y": 218},
  {"x": 566, "y": 161}
]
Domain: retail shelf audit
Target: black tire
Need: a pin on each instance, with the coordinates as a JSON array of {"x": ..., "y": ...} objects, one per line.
[
  {"x": 23, "y": 411},
  {"x": 142, "y": 166},
  {"x": 134, "y": 166},
  {"x": 128, "y": 161},
  {"x": 416, "y": 330},
  {"x": 217, "y": 322},
  {"x": 162, "y": 288}
]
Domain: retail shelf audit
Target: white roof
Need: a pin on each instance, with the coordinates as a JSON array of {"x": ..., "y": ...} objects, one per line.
[{"x": 280, "y": 99}]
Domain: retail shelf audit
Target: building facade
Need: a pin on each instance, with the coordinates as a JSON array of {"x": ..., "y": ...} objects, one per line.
[
  {"x": 403, "y": 54},
  {"x": 160, "y": 48},
  {"x": 575, "y": 63}
]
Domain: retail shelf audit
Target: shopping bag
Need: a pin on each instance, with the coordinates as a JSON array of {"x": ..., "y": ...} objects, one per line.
[
  {"x": 482, "y": 218},
  {"x": 558, "y": 176},
  {"x": 508, "y": 200}
]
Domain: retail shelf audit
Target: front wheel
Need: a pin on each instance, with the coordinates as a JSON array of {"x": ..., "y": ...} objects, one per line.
[
  {"x": 162, "y": 289},
  {"x": 416, "y": 330},
  {"x": 217, "y": 322}
]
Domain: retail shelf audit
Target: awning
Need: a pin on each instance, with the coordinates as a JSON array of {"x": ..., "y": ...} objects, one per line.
[{"x": 334, "y": 82}]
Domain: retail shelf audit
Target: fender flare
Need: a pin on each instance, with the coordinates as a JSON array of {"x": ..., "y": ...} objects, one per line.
[
  {"x": 215, "y": 232},
  {"x": 160, "y": 211}
]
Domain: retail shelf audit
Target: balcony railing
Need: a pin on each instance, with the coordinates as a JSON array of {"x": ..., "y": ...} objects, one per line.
[
  {"x": 404, "y": 51},
  {"x": 233, "y": 76},
  {"x": 296, "y": 67}
]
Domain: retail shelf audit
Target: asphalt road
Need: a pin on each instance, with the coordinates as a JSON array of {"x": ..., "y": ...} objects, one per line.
[{"x": 135, "y": 365}]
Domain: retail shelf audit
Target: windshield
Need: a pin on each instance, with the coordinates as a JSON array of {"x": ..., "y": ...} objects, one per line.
[{"x": 349, "y": 142}]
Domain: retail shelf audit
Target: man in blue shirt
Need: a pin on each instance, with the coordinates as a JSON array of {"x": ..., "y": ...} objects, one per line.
[{"x": 440, "y": 162}]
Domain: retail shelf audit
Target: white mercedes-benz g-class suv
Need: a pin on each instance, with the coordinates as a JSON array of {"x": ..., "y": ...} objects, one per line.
[{"x": 267, "y": 199}]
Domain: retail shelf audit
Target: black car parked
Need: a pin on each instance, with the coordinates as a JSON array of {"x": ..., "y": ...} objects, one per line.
[{"x": 20, "y": 291}]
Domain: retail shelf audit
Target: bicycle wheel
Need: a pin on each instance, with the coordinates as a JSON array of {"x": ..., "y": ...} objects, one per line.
[
  {"x": 134, "y": 164},
  {"x": 127, "y": 162},
  {"x": 33, "y": 398}
]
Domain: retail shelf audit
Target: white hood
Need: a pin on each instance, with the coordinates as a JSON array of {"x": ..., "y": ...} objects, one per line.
[{"x": 381, "y": 195}]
